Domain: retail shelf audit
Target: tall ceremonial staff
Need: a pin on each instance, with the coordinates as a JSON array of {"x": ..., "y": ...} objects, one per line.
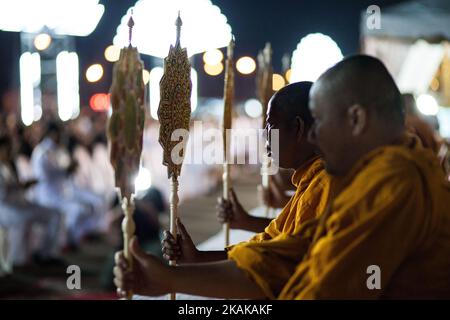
[
  {"x": 125, "y": 132},
  {"x": 228, "y": 95},
  {"x": 174, "y": 113},
  {"x": 264, "y": 92}
]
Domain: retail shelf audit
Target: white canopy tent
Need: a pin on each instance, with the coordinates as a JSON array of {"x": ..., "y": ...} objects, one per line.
[
  {"x": 419, "y": 19},
  {"x": 413, "y": 42}
]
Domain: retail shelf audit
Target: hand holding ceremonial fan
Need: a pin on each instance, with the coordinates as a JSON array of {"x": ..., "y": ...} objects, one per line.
[
  {"x": 125, "y": 132},
  {"x": 174, "y": 113}
]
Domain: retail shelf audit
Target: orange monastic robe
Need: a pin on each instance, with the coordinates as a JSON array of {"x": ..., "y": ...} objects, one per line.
[
  {"x": 309, "y": 201},
  {"x": 393, "y": 213},
  {"x": 269, "y": 257}
]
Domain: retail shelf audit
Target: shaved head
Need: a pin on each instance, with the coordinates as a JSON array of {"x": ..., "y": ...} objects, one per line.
[
  {"x": 364, "y": 80},
  {"x": 292, "y": 101},
  {"x": 356, "y": 107}
]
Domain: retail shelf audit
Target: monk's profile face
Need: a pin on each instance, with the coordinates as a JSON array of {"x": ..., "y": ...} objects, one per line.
[
  {"x": 335, "y": 131},
  {"x": 290, "y": 136}
]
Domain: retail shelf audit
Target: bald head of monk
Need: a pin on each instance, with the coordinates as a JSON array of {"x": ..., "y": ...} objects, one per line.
[
  {"x": 356, "y": 107},
  {"x": 288, "y": 113}
]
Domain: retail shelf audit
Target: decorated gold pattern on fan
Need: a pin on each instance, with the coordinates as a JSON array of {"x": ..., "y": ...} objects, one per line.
[
  {"x": 228, "y": 95},
  {"x": 126, "y": 125},
  {"x": 264, "y": 75},
  {"x": 174, "y": 110}
]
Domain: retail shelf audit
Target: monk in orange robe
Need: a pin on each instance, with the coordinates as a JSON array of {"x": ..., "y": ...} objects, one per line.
[
  {"x": 387, "y": 231},
  {"x": 310, "y": 179}
]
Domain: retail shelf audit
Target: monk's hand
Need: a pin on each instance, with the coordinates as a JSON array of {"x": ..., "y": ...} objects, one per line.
[
  {"x": 231, "y": 211},
  {"x": 183, "y": 249},
  {"x": 149, "y": 275}
]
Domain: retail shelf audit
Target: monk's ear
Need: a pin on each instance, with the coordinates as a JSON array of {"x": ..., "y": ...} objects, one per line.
[
  {"x": 357, "y": 117},
  {"x": 300, "y": 127}
]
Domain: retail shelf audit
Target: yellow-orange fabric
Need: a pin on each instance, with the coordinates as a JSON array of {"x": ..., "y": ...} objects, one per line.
[
  {"x": 270, "y": 257},
  {"x": 393, "y": 213}
]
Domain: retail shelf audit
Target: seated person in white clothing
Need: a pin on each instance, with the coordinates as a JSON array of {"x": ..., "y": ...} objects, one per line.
[
  {"x": 53, "y": 167},
  {"x": 18, "y": 215}
]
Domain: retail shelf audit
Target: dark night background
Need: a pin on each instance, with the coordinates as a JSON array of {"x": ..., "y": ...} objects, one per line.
[{"x": 254, "y": 22}]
